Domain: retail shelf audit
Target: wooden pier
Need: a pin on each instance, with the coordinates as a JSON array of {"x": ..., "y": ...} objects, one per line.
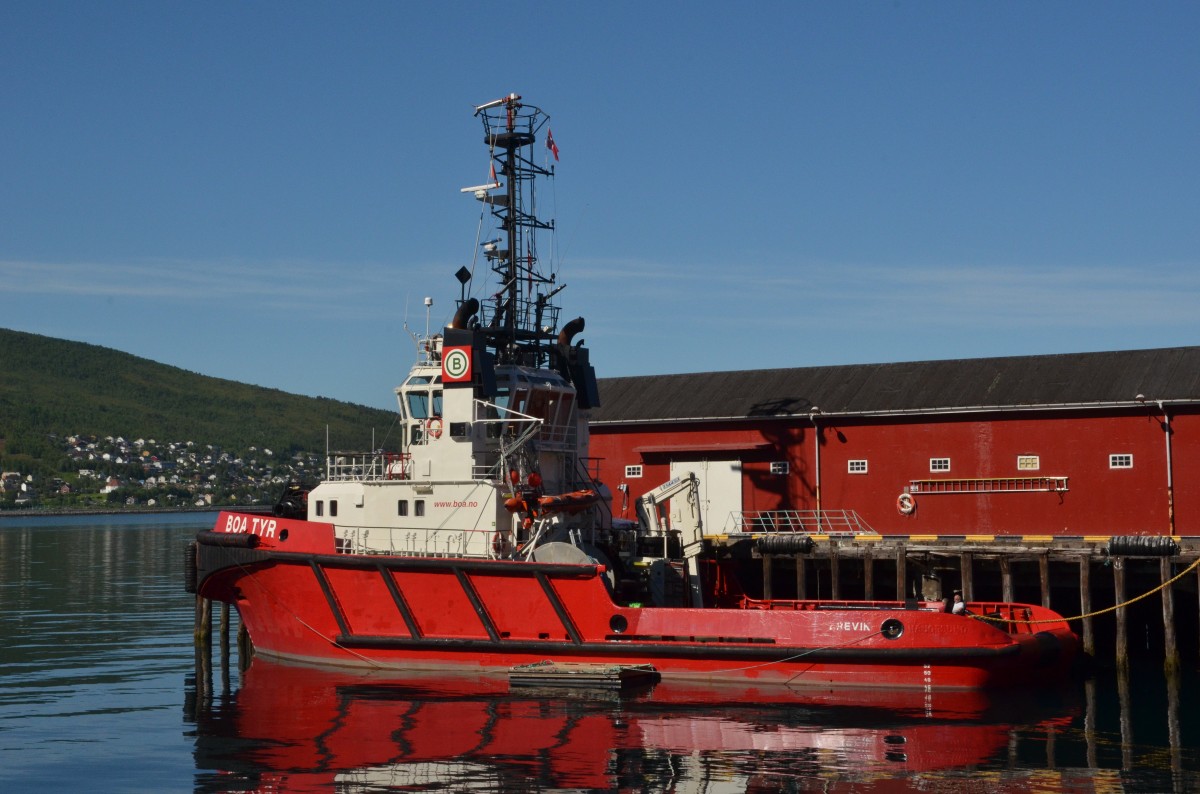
[{"x": 1121, "y": 595}]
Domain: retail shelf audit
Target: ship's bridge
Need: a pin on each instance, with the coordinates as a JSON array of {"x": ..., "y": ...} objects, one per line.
[
  {"x": 523, "y": 395},
  {"x": 420, "y": 399},
  {"x": 541, "y": 394}
]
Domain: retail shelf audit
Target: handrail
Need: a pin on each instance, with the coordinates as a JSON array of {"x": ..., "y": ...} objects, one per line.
[{"x": 811, "y": 522}]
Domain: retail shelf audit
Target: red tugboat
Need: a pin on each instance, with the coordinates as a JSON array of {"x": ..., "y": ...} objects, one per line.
[{"x": 486, "y": 543}]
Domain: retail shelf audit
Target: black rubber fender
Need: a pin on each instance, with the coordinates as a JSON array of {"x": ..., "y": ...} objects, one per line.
[
  {"x": 1142, "y": 546},
  {"x": 231, "y": 540},
  {"x": 784, "y": 544}
]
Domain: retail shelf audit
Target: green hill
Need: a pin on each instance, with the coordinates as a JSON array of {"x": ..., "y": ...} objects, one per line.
[{"x": 54, "y": 388}]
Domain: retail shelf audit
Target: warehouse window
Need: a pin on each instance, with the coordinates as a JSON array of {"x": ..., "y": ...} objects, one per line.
[
  {"x": 1029, "y": 462},
  {"x": 939, "y": 464},
  {"x": 1120, "y": 461},
  {"x": 856, "y": 466},
  {"x": 633, "y": 472},
  {"x": 779, "y": 467}
]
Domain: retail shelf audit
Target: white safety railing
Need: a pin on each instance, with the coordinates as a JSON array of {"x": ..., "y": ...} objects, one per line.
[
  {"x": 360, "y": 466},
  {"x": 472, "y": 543},
  {"x": 809, "y": 522}
]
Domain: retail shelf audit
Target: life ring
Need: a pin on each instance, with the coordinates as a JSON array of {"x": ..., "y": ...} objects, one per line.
[
  {"x": 906, "y": 504},
  {"x": 434, "y": 427}
]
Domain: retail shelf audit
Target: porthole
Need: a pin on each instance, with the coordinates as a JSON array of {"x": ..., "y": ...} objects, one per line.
[
  {"x": 618, "y": 624},
  {"x": 892, "y": 629}
]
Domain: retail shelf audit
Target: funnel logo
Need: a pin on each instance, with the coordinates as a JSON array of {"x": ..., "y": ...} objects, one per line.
[{"x": 456, "y": 364}]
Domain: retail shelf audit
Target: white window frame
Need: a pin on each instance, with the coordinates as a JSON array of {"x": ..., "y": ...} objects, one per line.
[
  {"x": 1029, "y": 462},
  {"x": 633, "y": 471},
  {"x": 858, "y": 466},
  {"x": 780, "y": 467},
  {"x": 939, "y": 465},
  {"x": 1120, "y": 460}
]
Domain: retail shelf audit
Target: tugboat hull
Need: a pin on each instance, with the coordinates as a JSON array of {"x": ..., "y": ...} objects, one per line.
[{"x": 301, "y": 601}]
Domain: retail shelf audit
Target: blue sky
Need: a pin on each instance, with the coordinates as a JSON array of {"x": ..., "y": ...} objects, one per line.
[{"x": 266, "y": 191}]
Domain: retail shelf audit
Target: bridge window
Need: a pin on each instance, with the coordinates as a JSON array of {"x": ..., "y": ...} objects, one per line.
[
  {"x": 320, "y": 507},
  {"x": 418, "y": 404},
  {"x": 419, "y": 507},
  {"x": 402, "y": 507},
  {"x": 332, "y": 507}
]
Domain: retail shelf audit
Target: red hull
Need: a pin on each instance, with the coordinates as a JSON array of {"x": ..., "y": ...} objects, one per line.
[{"x": 301, "y": 601}]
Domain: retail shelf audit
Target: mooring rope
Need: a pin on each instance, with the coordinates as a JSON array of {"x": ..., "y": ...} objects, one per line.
[{"x": 1097, "y": 612}]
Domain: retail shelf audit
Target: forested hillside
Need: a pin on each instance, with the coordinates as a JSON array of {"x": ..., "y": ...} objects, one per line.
[{"x": 51, "y": 388}]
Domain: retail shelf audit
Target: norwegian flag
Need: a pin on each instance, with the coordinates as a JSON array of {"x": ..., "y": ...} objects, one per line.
[{"x": 551, "y": 145}]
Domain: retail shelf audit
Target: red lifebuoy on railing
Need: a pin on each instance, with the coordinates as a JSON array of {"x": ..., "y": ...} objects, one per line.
[{"x": 906, "y": 504}]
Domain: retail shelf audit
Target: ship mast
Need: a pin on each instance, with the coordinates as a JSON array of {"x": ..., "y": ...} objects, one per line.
[{"x": 519, "y": 317}]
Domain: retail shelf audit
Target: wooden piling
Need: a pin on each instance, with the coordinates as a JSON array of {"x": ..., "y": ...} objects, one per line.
[
  {"x": 1006, "y": 581},
  {"x": 1122, "y": 650},
  {"x": 835, "y": 569},
  {"x": 1044, "y": 578},
  {"x": 1085, "y": 606},
  {"x": 203, "y": 628},
  {"x": 766, "y": 570},
  {"x": 1170, "y": 646},
  {"x": 901, "y": 573},
  {"x": 966, "y": 574},
  {"x": 868, "y": 576},
  {"x": 801, "y": 578}
]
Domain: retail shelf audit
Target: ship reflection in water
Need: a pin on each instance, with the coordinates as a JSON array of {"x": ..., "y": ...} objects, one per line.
[{"x": 289, "y": 728}]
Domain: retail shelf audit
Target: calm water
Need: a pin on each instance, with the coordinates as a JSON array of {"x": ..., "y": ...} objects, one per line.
[{"x": 101, "y": 689}]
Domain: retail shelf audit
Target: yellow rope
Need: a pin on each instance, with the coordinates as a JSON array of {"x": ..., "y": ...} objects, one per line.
[{"x": 1106, "y": 610}]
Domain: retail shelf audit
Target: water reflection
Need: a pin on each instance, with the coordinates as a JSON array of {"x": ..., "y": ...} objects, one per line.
[{"x": 297, "y": 729}]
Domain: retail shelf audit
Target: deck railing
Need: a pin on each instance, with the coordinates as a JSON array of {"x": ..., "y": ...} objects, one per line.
[
  {"x": 809, "y": 522},
  {"x": 359, "y": 466}
]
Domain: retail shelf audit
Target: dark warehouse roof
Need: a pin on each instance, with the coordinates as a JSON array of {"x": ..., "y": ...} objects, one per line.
[{"x": 1074, "y": 379}]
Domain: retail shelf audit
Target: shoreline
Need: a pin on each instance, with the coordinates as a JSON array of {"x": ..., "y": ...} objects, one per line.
[{"x": 101, "y": 511}]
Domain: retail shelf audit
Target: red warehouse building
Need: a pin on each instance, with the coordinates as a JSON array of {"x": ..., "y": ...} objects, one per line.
[{"x": 1089, "y": 444}]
